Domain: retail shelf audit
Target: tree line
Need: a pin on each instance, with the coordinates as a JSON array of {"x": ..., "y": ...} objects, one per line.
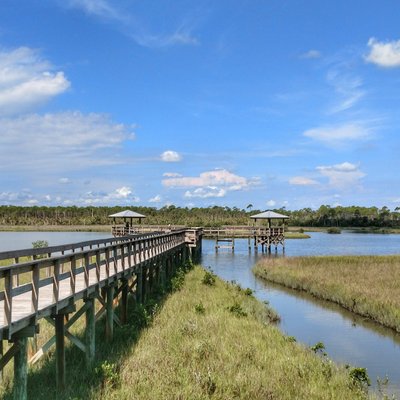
[{"x": 324, "y": 216}]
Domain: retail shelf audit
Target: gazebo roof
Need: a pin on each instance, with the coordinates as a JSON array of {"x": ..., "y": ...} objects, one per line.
[
  {"x": 269, "y": 215},
  {"x": 127, "y": 214}
]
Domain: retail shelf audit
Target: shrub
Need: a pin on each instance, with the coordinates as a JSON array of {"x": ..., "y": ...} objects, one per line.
[
  {"x": 208, "y": 278},
  {"x": 199, "y": 308},
  {"x": 334, "y": 229},
  {"x": 237, "y": 310},
  {"x": 359, "y": 376},
  {"x": 108, "y": 373}
]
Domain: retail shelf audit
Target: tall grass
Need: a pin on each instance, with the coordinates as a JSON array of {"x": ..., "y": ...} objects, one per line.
[
  {"x": 208, "y": 339},
  {"x": 366, "y": 285},
  {"x": 214, "y": 340}
]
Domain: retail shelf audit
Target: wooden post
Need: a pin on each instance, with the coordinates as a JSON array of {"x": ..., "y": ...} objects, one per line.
[
  {"x": 139, "y": 284},
  {"x": 110, "y": 313},
  {"x": 90, "y": 331},
  {"x": 1, "y": 356},
  {"x": 164, "y": 267},
  {"x": 60, "y": 351},
  {"x": 124, "y": 301},
  {"x": 20, "y": 369},
  {"x": 152, "y": 268}
]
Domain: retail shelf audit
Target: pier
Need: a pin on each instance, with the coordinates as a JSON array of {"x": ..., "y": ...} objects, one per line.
[{"x": 63, "y": 283}]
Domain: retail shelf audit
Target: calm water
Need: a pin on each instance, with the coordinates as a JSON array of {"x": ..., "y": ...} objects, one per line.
[{"x": 347, "y": 338}]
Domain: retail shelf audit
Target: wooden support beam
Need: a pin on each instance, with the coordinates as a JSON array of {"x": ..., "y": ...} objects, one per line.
[
  {"x": 90, "y": 337},
  {"x": 139, "y": 284},
  {"x": 1, "y": 357},
  {"x": 124, "y": 302},
  {"x": 60, "y": 351},
  {"x": 20, "y": 391},
  {"x": 110, "y": 313}
]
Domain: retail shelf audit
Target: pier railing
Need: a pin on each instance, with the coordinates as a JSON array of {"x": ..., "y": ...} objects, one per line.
[
  {"x": 39, "y": 286},
  {"x": 231, "y": 231}
]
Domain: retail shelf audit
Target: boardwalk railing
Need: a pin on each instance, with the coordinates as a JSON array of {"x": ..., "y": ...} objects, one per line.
[
  {"x": 47, "y": 283},
  {"x": 243, "y": 231}
]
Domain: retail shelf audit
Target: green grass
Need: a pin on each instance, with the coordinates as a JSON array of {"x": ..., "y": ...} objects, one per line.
[
  {"x": 366, "y": 285},
  {"x": 208, "y": 339},
  {"x": 216, "y": 341},
  {"x": 296, "y": 235}
]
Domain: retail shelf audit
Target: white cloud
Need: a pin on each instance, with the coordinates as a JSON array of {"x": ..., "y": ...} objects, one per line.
[
  {"x": 130, "y": 25},
  {"x": 342, "y": 176},
  {"x": 384, "y": 54},
  {"x": 99, "y": 8},
  {"x": 171, "y": 174},
  {"x": 27, "y": 81},
  {"x": 311, "y": 54},
  {"x": 122, "y": 195},
  {"x": 170, "y": 156},
  {"x": 339, "y": 135},
  {"x": 271, "y": 203},
  {"x": 220, "y": 177},
  {"x": 205, "y": 193},
  {"x": 64, "y": 181},
  {"x": 348, "y": 88},
  {"x": 179, "y": 37},
  {"x": 302, "y": 181},
  {"x": 155, "y": 199},
  {"x": 60, "y": 142}
]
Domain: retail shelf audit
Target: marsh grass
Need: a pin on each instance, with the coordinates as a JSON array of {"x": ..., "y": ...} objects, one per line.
[
  {"x": 220, "y": 353},
  {"x": 191, "y": 344},
  {"x": 366, "y": 285}
]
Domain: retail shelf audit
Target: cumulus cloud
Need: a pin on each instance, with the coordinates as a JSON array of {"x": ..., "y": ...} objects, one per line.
[
  {"x": 205, "y": 193},
  {"x": 209, "y": 184},
  {"x": 271, "y": 203},
  {"x": 155, "y": 199},
  {"x": 27, "y": 81},
  {"x": 21, "y": 197},
  {"x": 302, "y": 181},
  {"x": 342, "y": 176},
  {"x": 170, "y": 156},
  {"x": 61, "y": 141},
  {"x": 220, "y": 177},
  {"x": 339, "y": 135},
  {"x": 384, "y": 54},
  {"x": 123, "y": 195}
]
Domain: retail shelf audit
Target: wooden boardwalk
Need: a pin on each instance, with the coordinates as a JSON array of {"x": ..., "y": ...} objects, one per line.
[
  {"x": 48, "y": 283},
  {"x": 263, "y": 236}
]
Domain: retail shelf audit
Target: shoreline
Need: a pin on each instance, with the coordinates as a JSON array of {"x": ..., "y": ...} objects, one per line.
[{"x": 305, "y": 274}]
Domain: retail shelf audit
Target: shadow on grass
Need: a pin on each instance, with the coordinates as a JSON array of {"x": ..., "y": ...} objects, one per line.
[{"x": 83, "y": 382}]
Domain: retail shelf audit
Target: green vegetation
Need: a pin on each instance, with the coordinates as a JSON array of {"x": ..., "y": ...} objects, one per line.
[
  {"x": 203, "y": 341},
  {"x": 96, "y": 218},
  {"x": 334, "y": 229},
  {"x": 366, "y": 285},
  {"x": 296, "y": 235}
]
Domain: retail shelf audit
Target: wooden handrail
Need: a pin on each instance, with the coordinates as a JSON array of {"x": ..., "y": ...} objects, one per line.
[{"x": 109, "y": 258}]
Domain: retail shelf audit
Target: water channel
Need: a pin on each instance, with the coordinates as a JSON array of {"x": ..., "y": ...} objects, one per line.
[{"x": 348, "y": 339}]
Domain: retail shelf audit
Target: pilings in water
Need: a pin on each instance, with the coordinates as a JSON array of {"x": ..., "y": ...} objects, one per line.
[{"x": 104, "y": 278}]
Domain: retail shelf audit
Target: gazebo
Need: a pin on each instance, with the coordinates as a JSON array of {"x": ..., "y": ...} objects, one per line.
[
  {"x": 128, "y": 217},
  {"x": 270, "y": 235},
  {"x": 269, "y": 216}
]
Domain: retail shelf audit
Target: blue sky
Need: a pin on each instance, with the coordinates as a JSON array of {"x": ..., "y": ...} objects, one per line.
[{"x": 197, "y": 103}]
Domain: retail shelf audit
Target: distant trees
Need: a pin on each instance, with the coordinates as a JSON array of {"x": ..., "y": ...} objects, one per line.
[{"x": 324, "y": 216}]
